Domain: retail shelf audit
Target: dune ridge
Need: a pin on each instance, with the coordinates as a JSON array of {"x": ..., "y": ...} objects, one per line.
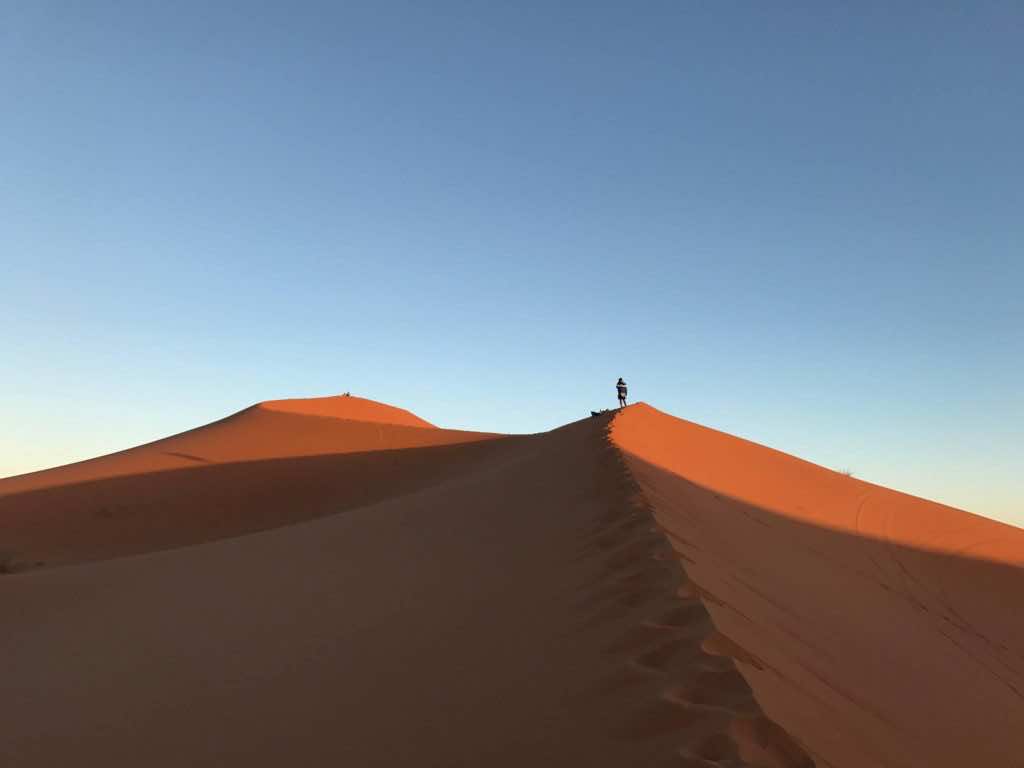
[
  {"x": 874, "y": 626},
  {"x": 347, "y": 407},
  {"x": 631, "y": 589},
  {"x": 267, "y": 430}
]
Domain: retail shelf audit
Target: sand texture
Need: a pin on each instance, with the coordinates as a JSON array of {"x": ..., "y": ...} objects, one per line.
[
  {"x": 878, "y": 628},
  {"x": 337, "y": 582}
]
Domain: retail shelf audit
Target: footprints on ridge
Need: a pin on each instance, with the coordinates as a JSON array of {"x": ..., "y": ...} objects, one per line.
[{"x": 701, "y": 707}]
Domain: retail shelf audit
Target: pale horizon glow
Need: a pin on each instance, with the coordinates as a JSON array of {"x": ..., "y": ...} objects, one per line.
[{"x": 798, "y": 225}]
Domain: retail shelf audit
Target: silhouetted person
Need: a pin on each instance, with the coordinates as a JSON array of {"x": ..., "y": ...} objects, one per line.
[{"x": 621, "y": 387}]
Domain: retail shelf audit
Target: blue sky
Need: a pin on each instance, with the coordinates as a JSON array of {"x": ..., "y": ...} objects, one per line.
[{"x": 796, "y": 222}]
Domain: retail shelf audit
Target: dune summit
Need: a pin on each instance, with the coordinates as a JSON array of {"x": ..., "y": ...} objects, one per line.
[
  {"x": 336, "y": 581},
  {"x": 348, "y": 408}
]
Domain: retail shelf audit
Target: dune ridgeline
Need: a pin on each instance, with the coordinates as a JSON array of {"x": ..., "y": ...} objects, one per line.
[{"x": 337, "y": 582}]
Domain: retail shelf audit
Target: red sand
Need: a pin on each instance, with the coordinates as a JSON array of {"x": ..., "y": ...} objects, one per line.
[
  {"x": 878, "y": 628},
  {"x": 271, "y": 464},
  {"x": 274, "y": 429},
  {"x": 411, "y": 596},
  {"x": 345, "y": 407}
]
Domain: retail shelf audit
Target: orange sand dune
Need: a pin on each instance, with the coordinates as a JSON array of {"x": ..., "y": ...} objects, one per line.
[
  {"x": 345, "y": 407},
  {"x": 878, "y": 628},
  {"x": 463, "y": 599},
  {"x": 250, "y": 471},
  {"x": 270, "y": 430}
]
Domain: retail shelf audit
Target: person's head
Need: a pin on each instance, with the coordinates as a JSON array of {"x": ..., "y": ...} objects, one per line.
[{"x": 620, "y": 380}]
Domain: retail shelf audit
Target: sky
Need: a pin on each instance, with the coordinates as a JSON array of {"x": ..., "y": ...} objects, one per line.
[{"x": 800, "y": 223}]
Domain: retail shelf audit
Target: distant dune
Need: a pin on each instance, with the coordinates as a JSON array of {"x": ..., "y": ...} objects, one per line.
[
  {"x": 349, "y": 408},
  {"x": 274, "y": 463},
  {"x": 338, "y": 582}
]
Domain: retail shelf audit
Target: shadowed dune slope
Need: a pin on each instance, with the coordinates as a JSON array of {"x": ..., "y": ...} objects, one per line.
[
  {"x": 500, "y": 603},
  {"x": 879, "y": 629},
  {"x": 271, "y": 464}
]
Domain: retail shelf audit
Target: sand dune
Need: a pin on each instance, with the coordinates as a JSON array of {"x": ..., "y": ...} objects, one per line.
[
  {"x": 345, "y": 407},
  {"x": 880, "y": 629},
  {"x": 274, "y": 463},
  {"x": 271, "y": 430},
  {"x": 412, "y": 596}
]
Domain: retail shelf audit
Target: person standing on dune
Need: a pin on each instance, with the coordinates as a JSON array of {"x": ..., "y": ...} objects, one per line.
[{"x": 620, "y": 386}]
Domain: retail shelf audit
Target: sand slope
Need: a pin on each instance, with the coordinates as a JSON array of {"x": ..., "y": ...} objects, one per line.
[
  {"x": 336, "y": 583},
  {"x": 513, "y": 606},
  {"x": 878, "y": 628},
  {"x": 271, "y": 464},
  {"x": 274, "y": 429}
]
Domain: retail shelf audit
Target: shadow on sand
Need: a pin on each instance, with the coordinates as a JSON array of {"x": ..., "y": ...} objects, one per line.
[{"x": 869, "y": 651}]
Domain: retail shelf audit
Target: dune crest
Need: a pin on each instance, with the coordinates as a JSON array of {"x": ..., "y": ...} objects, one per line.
[{"x": 347, "y": 407}]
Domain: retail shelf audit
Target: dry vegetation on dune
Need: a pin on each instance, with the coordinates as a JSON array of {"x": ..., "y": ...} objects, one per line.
[{"x": 625, "y": 590}]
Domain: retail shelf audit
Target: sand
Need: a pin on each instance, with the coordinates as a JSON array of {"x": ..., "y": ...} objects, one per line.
[
  {"x": 274, "y": 463},
  {"x": 337, "y": 582},
  {"x": 878, "y": 628}
]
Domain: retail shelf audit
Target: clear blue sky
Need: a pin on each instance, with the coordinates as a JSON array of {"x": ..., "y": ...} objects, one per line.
[{"x": 797, "y": 222}]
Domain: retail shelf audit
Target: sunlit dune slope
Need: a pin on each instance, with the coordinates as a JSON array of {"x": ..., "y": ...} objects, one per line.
[
  {"x": 271, "y": 464},
  {"x": 877, "y": 628}
]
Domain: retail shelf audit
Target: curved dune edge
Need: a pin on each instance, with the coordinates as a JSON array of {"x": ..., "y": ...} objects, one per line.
[
  {"x": 347, "y": 407},
  {"x": 708, "y": 686},
  {"x": 874, "y": 627}
]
